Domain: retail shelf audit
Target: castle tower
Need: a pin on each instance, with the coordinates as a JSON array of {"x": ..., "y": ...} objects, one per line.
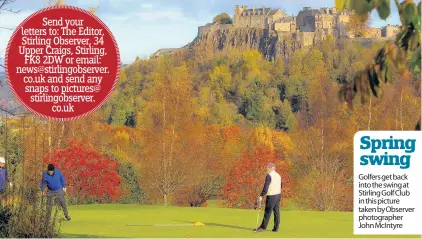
[{"x": 237, "y": 12}]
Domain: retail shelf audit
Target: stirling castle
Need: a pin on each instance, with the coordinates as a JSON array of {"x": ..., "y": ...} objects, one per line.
[{"x": 308, "y": 26}]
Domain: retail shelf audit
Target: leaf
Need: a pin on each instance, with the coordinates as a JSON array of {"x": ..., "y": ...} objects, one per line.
[
  {"x": 383, "y": 9},
  {"x": 362, "y": 6},
  {"x": 372, "y": 82},
  {"x": 409, "y": 13},
  {"x": 415, "y": 61},
  {"x": 340, "y": 4}
]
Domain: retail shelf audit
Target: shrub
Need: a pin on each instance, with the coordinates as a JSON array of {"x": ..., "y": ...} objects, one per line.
[
  {"x": 130, "y": 181},
  {"x": 196, "y": 195},
  {"x": 246, "y": 181},
  {"x": 325, "y": 192},
  {"x": 27, "y": 217},
  {"x": 90, "y": 177}
]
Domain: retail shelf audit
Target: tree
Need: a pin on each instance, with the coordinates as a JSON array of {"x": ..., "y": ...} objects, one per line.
[
  {"x": 358, "y": 25},
  {"x": 402, "y": 55},
  {"x": 169, "y": 115},
  {"x": 245, "y": 183},
  {"x": 90, "y": 176},
  {"x": 220, "y": 81},
  {"x": 256, "y": 106},
  {"x": 322, "y": 157},
  {"x": 222, "y": 18},
  {"x": 285, "y": 119},
  {"x": 4, "y": 8}
]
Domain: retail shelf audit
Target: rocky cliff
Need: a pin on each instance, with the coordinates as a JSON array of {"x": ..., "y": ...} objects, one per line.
[{"x": 270, "y": 44}]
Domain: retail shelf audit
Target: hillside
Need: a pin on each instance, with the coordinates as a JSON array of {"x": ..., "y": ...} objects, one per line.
[{"x": 268, "y": 44}]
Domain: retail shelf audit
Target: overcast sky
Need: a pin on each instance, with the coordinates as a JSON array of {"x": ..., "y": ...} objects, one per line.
[{"x": 143, "y": 26}]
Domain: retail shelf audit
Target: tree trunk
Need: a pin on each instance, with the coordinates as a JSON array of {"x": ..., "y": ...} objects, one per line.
[
  {"x": 401, "y": 108},
  {"x": 165, "y": 199},
  {"x": 49, "y": 138},
  {"x": 61, "y": 135},
  {"x": 370, "y": 112}
]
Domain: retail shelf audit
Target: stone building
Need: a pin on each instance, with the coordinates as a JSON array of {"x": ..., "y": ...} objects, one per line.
[
  {"x": 286, "y": 24},
  {"x": 256, "y": 17},
  {"x": 390, "y": 30},
  {"x": 373, "y": 33},
  {"x": 323, "y": 21},
  {"x": 307, "y": 28}
]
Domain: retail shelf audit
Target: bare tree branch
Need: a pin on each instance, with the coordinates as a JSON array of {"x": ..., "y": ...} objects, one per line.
[
  {"x": 3, "y": 4},
  {"x": 10, "y": 10},
  {"x": 7, "y": 28}
]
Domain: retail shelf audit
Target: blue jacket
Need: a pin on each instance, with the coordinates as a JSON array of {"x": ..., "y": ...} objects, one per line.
[
  {"x": 3, "y": 178},
  {"x": 53, "y": 182}
]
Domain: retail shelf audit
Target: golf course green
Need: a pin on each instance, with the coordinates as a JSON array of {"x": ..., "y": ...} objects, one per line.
[{"x": 159, "y": 221}]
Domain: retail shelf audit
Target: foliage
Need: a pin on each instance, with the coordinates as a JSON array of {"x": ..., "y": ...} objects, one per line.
[
  {"x": 29, "y": 217},
  {"x": 182, "y": 126},
  {"x": 222, "y": 18},
  {"x": 220, "y": 81},
  {"x": 168, "y": 115},
  {"x": 402, "y": 55},
  {"x": 90, "y": 176},
  {"x": 5, "y": 216},
  {"x": 196, "y": 195},
  {"x": 130, "y": 181},
  {"x": 244, "y": 185},
  {"x": 358, "y": 25}
]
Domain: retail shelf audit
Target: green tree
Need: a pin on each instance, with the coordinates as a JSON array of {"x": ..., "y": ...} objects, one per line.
[
  {"x": 257, "y": 108},
  {"x": 130, "y": 179},
  {"x": 285, "y": 118},
  {"x": 222, "y": 18}
]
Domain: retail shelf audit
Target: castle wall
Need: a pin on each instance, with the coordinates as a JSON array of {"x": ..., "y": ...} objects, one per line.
[
  {"x": 306, "y": 21},
  {"x": 343, "y": 18},
  {"x": 279, "y": 14},
  {"x": 390, "y": 31},
  {"x": 327, "y": 21},
  {"x": 258, "y": 21},
  {"x": 309, "y": 26},
  {"x": 243, "y": 21},
  {"x": 373, "y": 33},
  {"x": 305, "y": 38},
  {"x": 285, "y": 26}
]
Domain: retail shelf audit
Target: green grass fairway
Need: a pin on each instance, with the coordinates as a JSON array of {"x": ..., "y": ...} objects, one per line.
[{"x": 159, "y": 221}]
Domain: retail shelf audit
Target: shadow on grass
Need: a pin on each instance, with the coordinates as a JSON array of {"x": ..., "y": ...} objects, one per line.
[
  {"x": 219, "y": 225},
  {"x": 65, "y": 235}
]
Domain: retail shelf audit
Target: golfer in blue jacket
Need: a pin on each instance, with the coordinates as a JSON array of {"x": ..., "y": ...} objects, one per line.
[{"x": 56, "y": 187}]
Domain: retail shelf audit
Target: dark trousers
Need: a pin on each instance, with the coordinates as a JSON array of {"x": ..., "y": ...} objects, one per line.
[
  {"x": 58, "y": 196},
  {"x": 272, "y": 204}
]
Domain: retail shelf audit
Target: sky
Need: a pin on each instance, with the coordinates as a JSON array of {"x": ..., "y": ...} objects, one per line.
[{"x": 142, "y": 27}]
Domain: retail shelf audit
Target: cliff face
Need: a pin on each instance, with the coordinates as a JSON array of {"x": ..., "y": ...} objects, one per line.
[{"x": 271, "y": 45}]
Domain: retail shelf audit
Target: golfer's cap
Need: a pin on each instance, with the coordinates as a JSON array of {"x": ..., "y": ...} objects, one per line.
[
  {"x": 271, "y": 165},
  {"x": 2, "y": 160},
  {"x": 50, "y": 167}
]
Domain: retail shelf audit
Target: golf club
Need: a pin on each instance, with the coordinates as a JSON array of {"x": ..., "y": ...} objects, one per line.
[{"x": 259, "y": 210}]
